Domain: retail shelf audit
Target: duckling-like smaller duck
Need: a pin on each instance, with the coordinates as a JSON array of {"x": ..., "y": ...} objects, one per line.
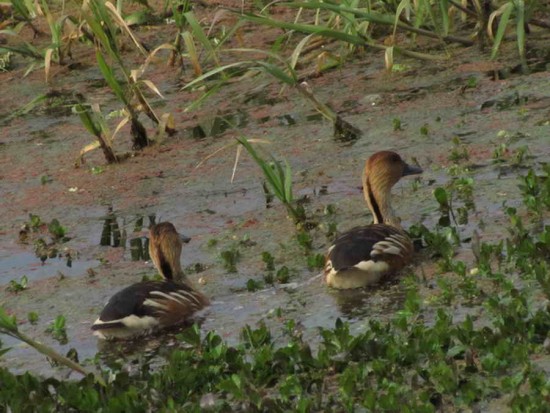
[
  {"x": 363, "y": 255},
  {"x": 152, "y": 305}
]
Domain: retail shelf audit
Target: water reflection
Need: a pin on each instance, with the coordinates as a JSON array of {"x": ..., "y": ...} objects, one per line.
[
  {"x": 216, "y": 125},
  {"x": 364, "y": 302},
  {"x": 114, "y": 234}
]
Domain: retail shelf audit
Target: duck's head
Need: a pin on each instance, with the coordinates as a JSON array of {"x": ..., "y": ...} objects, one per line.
[
  {"x": 165, "y": 245},
  {"x": 385, "y": 168}
]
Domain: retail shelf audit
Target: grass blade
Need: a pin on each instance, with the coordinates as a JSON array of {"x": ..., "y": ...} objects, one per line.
[
  {"x": 504, "y": 12},
  {"x": 404, "y": 4},
  {"x": 110, "y": 78},
  {"x": 444, "y": 10},
  {"x": 201, "y": 36},
  {"x": 122, "y": 23},
  {"x": 192, "y": 52},
  {"x": 520, "y": 30}
]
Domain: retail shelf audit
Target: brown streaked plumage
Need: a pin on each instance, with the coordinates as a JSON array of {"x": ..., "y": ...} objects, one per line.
[
  {"x": 152, "y": 305},
  {"x": 364, "y": 255}
]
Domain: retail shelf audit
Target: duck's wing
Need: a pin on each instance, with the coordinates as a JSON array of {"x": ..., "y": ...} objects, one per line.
[
  {"x": 372, "y": 243},
  {"x": 145, "y": 305}
]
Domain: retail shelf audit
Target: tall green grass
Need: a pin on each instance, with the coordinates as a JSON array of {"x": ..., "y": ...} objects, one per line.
[
  {"x": 326, "y": 33},
  {"x": 106, "y": 25}
]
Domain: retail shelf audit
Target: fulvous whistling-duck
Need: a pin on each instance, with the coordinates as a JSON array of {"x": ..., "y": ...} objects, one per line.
[
  {"x": 151, "y": 305},
  {"x": 363, "y": 255}
]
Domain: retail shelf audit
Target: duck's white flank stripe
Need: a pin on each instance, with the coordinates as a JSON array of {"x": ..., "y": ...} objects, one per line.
[
  {"x": 386, "y": 247},
  {"x": 164, "y": 295},
  {"x": 400, "y": 240},
  {"x": 189, "y": 296},
  {"x": 155, "y": 304}
]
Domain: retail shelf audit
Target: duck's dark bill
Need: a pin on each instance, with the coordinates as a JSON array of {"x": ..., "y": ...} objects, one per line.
[
  {"x": 184, "y": 238},
  {"x": 412, "y": 170}
]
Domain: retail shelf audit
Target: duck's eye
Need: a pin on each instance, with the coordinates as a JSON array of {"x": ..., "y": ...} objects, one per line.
[{"x": 395, "y": 158}]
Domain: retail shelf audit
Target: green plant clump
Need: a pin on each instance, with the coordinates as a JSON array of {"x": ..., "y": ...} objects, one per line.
[
  {"x": 406, "y": 363},
  {"x": 58, "y": 329}
]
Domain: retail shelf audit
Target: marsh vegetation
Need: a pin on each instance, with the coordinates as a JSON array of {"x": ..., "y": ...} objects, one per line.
[{"x": 248, "y": 123}]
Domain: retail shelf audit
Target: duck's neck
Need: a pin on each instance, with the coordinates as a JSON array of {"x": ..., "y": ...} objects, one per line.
[
  {"x": 179, "y": 277},
  {"x": 170, "y": 266},
  {"x": 379, "y": 202}
]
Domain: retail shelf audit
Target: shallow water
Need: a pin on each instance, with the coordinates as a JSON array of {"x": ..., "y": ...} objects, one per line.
[{"x": 164, "y": 183}]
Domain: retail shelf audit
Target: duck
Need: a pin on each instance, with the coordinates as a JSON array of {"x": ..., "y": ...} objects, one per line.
[
  {"x": 147, "y": 306},
  {"x": 364, "y": 255}
]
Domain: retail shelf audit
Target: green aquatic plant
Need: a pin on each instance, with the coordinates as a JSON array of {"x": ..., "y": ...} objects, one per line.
[
  {"x": 403, "y": 364},
  {"x": 305, "y": 240},
  {"x": 45, "y": 179},
  {"x": 397, "y": 124},
  {"x": 57, "y": 230},
  {"x": 353, "y": 24},
  {"x": 33, "y": 317},
  {"x": 424, "y": 130},
  {"x": 315, "y": 261},
  {"x": 458, "y": 189},
  {"x": 179, "y": 8},
  {"x": 95, "y": 123},
  {"x": 456, "y": 199},
  {"x": 471, "y": 82},
  {"x": 459, "y": 151},
  {"x": 283, "y": 275},
  {"x": 5, "y": 61},
  {"x": 63, "y": 32},
  {"x": 253, "y": 285},
  {"x": 230, "y": 258},
  {"x": 535, "y": 189},
  {"x": 500, "y": 153},
  {"x": 58, "y": 330},
  {"x": 351, "y": 34},
  {"x": 279, "y": 179},
  {"x": 441, "y": 243},
  {"x": 268, "y": 260},
  {"x": 18, "y": 286}
]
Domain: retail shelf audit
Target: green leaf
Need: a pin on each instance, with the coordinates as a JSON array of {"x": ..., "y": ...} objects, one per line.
[
  {"x": 441, "y": 196},
  {"x": 520, "y": 29},
  {"x": 199, "y": 34},
  {"x": 444, "y": 9},
  {"x": 21, "y": 8},
  {"x": 7, "y": 322},
  {"x": 404, "y": 4},
  {"x": 87, "y": 120},
  {"x": 288, "y": 182},
  {"x": 4, "y": 351},
  {"x": 110, "y": 78},
  {"x": 214, "y": 72},
  {"x": 504, "y": 19},
  {"x": 306, "y": 28}
]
